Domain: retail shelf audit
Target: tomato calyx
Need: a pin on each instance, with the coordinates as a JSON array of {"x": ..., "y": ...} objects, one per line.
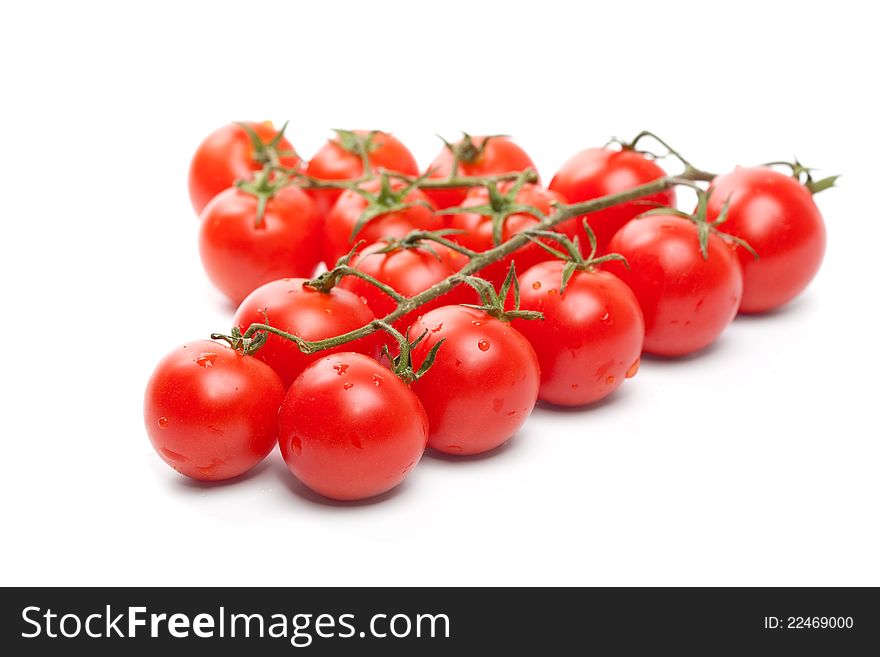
[
  {"x": 494, "y": 302},
  {"x": 705, "y": 228},
  {"x": 358, "y": 144},
  {"x": 263, "y": 187},
  {"x": 500, "y": 206},
  {"x": 385, "y": 201},
  {"x": 244, "y": 345},
  {"x": 266, "y": 152},
  {"x": 402, "y": 364},
  {"x": 571, "y": 253},
  {"x": 804, "y": 175},
  {"x": 465, "y": 150}
]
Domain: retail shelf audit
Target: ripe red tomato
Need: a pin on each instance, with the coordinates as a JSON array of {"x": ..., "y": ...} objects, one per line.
[
  {"x": 591, "y": 336},
  {"x": 227, "y": 155},
  {"x": 409, "y": 271},
  {"x": 294, "y": 307},
  {"x": 343, "y": 217},
  {"x": 483, "y": 384},
  {"x": 597, "y": 172},
  {"x": 350, "y": 429},
  {"x": 687, "y": 300},
  {"x": 499, "y": 156},
  {"x": 212, "y": 413},
  {"x": 240, "y": 252},
  {"x": 338, "y": 159},
  {"x": 478, "y": 228},
  {"x": 778, "y": 218}
]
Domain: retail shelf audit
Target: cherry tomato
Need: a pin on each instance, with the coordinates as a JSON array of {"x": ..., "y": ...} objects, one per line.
[
  {"x": 478, "y": 228},
  {"x": 483, "y": 384},
  {"x": 240, "y": 252},
  {"x": 227, "y": 155},
  {"x": 687, "y": 300},
  {"x": 597, "y": 172},
  {"x": 499, "y": 156},
  {"x": 409, "y": 271},
  {"x": 778, "y": 218},
  {"x": 350, "y": 429},
  {"x": 342, "y": 219},
  {"x": 591, "y": 336},
  {"x": 339, "y": 159},
  {"x": 290, "y": 305},
  {"x": 212, "y": 413}
]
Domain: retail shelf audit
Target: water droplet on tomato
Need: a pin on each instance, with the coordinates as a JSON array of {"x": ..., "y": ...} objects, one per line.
[
  {"x": 477, "y": 323},
  {"x": 574, "y": 385},
  {"x": 458, "y": 362},
  {"x": 377, "y": 380},
  {"x": 296, "y": 445},
  {"x": 163, "y": 422},
  {"x": 207, "y": 359},
  {"x": 483, "y": 345},
  {"x": 536, "y": 285},
  {"x": 328, "y": 311},
  {"x": 553, "y": 290},
  {"x": 439, "y": 327},
  {"x": 348, "y": 386},
  {"x": 605, "y": 317},
  {"x": 340, "y": 368},
  {"x": 173, "y": 456},
  {"x": 364, "y": 300},
  {"x": 357, "y": 442},
  {"x": 610, "y": 380},
  {"x": 631, "y": 372},
  {"x": 457, "y": 449}
]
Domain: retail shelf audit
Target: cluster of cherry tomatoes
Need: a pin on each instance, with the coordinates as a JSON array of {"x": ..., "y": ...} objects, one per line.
[{"x": 353, "y": 420}]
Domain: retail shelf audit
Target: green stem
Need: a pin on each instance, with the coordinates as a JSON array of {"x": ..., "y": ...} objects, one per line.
[{"x": 479, "y": 262}]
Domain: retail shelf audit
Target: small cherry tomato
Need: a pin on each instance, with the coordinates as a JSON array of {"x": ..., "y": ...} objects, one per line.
[
  {"x": 591, "y": 336},
  {"x": 483, "y": 383},
  {"x": 350, "y": 429},
  {"x": 409, "y": 270},
  {"x": 340, "y": 229},
  {"x": 241, "y": 251},
  {"x": 778, "y": 218},
  {"x": 292, "y": 306},
  {"x": 687, "y": 299},
  {"x": 212, "y": 413},
  {"x": 478, "y": 157},
  {"x": 340, "y": 159},
  {"x": 229, "y": 154},
  {"x": 597, "y": 172},
  {"x": 478, "y": 228}
]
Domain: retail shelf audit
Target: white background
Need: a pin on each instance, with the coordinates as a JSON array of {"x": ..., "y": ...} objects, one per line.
[{"x": 753, "y": 463}]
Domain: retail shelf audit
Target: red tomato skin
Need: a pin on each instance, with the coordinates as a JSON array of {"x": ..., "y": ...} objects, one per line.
[
  {"x": 290, "y": 305},
  {"x": 211, "y": 413},
  {"x": 477, "y": 229},
  {"x": 350, "y": 429},
  {"x": 239, "y": 256},
  {"x": 597, "y": 172},
  {"x": 227, "y": 155},
  {"x": 409, "y": 271},
  {"x": 483, "y": 384},
  {"x": 778, "y": 217},
  {"x": 341, "y": 220},
  {"x": 332, "y": 162},
  {"x": 500, "y": 156},
  {"x": 687, "y": 301},
  {"x": 590, "y": 338}
]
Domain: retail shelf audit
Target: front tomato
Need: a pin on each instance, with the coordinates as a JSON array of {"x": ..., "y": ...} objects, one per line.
[
  {"x": 687, "y": 298},
  {"x": 212, "y": 413},
  {"x": 483, "y": 383},
  {"x": 591, "y": 336},
  {"x": 350, "y": 429},
  {"x": 777, "y": 216}
]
